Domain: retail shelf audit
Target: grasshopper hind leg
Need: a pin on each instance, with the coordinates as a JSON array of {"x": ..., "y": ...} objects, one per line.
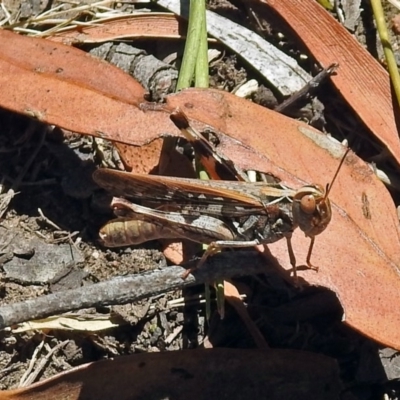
[{"x": 215, "y": 247}]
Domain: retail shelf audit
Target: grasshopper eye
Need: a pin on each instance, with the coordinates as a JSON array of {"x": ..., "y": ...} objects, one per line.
[{"x": 307, "y": 204}]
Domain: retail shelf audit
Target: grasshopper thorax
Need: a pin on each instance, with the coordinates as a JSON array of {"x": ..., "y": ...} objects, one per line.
[{"x": 311, "y": 210}]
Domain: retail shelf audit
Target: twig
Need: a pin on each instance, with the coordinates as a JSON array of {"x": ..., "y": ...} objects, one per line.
[
  {"x": 7, "y": 15},
  {"x": 52, "y": 13},
  {"x": 13, "y": 367},
  {"x": 173, "y": 335},
  {"x": 307, "y": 89},
  {"x": 32, "y": 377},
  {"x": 48, "y": 221},
  {"x": 24, "y": 377},
  {"x": 132, "y": 288}
]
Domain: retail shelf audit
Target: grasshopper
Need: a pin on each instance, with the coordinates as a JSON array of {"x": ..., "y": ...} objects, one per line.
[{"x": 222, "y": 214}]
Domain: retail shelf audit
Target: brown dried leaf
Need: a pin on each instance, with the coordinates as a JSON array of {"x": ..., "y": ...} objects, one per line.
[
  {"x": 358, "y": 256},
  {"x": 138, "y": 25},
  {"x": 64, "y": 86},
  {"x": 195, "y": 374},
  {"x": 232, "y": 296},
  {"x": 361, "y": 80},
  {"x": 143, "y": 159}
]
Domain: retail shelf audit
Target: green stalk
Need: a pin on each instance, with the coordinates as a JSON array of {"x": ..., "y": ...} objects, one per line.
[
  {"x": 201, "y": 70},
  {"x": 387, "y": 47},
  {"x": 195, "y": 67},
  {"x": 196, "y": 30}
]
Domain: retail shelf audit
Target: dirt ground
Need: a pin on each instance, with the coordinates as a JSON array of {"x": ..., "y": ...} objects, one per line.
[{"x": 49, "y": 243}]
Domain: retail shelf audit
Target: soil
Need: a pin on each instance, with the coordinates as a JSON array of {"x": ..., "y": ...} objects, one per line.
[{"x": 49, "y": 242}]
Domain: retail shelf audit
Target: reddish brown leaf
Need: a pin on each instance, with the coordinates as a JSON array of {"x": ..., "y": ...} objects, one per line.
[
  {"x": 144, "y": 25},
  {"x": 358, "y": 256},
  {"x": 64, "y": 86},
  {"x": 232, "y": 296},
  {"x": 361, "y": 80},
  {"x": 195, "y": 374},
  {"x": 143, "y": 159}
]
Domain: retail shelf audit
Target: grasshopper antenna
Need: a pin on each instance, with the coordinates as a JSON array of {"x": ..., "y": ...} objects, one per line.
[{"x": 329, "y": 186}]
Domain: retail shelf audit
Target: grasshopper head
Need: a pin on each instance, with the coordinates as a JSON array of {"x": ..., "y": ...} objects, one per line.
[{"x": 311, "y": 209}]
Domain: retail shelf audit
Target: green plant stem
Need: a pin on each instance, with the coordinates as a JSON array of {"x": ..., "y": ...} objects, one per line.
[
  {"x": 387, "y": 47},
  {"x": 193, "y": 40},
  {"x": 201, "y": 71},
  {"x": 195, "y": 65}
]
